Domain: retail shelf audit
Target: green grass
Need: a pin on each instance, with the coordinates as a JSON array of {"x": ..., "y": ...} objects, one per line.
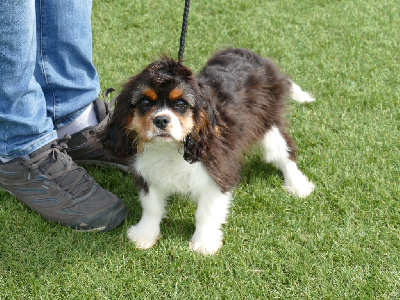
[{"x": 342, "y": 242}]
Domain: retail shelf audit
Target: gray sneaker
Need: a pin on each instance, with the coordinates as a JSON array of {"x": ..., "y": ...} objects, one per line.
[
  {"x": 85, "y": 148},
  {"x": 51, "y": 184}
]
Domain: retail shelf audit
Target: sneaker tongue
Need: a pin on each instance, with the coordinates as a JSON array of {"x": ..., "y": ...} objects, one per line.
[
  {"x": 41, "y": 150},
  {"x": 56, "y": 165}
]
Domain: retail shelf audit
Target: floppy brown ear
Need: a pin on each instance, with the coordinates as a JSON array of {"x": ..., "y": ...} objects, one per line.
[
  {"x": 115, "y": 137},
  {"x": 199, "y": 144},
  {"x": 192, "y": 149}
]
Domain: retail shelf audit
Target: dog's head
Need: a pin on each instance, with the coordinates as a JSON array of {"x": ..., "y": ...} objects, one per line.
[{"x": 165, "y": 103}]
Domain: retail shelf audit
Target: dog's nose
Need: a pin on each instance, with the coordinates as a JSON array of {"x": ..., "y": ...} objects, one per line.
[{"x": 161, "y": 121}]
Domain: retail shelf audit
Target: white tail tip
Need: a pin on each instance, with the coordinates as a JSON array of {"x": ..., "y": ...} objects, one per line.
[{"x": 298, "y": 95}]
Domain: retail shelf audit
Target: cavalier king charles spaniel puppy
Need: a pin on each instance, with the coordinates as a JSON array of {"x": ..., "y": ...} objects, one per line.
[{"x": 187, "y": 135}]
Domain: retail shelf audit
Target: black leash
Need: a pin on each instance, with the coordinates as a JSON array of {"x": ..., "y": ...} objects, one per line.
[{"x": 184, "y": 29}]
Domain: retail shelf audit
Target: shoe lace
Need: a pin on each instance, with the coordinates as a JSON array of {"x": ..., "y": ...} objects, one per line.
[{"x": 56, "y": 165}]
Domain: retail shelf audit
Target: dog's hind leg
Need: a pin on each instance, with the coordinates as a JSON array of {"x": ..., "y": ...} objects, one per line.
[
  {"x": 298, "y": 95},
  {"x": 277, "y": 151}
]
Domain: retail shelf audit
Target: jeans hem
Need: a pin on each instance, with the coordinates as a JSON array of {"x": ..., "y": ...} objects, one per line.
[{"x": 32, "y": 147}]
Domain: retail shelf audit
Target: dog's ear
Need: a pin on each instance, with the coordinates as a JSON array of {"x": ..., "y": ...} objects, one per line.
[
  {"x": 206, "y": 132},
  {"x": 116, "y": 138}
]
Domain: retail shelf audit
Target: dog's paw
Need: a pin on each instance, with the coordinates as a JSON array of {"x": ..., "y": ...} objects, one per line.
[
  {"x": 301, "y": 187},
  {"x": 206, "y": 244},
  {"x": 143, "y": 237}
]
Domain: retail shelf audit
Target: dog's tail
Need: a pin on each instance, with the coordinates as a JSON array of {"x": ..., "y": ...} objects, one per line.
[{"x": 298, "y": 95}]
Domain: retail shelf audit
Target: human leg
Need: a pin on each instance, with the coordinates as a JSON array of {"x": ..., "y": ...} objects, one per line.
[
  {"x": 32, "y": 166},
  {"x": 65, "y": 70},
  {"x": 64, "y": 66},
  {"x": 24, "y": 124}
]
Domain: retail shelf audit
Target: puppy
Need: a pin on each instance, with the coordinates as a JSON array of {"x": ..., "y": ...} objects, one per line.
[{"x": 188, "y": 134}]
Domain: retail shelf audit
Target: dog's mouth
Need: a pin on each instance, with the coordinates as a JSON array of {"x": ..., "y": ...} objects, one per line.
[{"x": 164, "y": 136}]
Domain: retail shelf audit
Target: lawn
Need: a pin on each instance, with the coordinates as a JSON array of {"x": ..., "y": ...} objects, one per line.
[{"x": 342, "y": 242}]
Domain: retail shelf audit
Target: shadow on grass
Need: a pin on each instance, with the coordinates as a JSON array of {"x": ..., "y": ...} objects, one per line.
[
  {"x": 255, "y": 167},
  {"x": 180, "y": 220}
]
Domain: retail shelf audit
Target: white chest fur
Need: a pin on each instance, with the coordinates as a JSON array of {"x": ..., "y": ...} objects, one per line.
[
  {"x": 161, "y": 164},
  {"x": 166, "y": 172}
]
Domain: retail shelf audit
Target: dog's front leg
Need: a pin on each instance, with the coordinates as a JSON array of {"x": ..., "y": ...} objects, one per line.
[
  {"x": 146, "y": 233},
  {"x": 211, "y": 213}
]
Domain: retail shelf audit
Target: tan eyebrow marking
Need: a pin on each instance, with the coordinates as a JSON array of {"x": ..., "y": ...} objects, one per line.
[
  {"x": 150, "y": 93},
  {"x": 175, "y": 94}
]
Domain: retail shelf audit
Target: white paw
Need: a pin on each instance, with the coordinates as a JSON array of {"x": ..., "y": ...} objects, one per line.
[
  {"x": 301, "y": 187},
  {"x": 206, "y": 244},
  {"x": 142, "y": 236}
]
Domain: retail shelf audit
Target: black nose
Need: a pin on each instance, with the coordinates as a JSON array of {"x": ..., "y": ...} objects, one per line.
[{"x": 161, "y": 121}]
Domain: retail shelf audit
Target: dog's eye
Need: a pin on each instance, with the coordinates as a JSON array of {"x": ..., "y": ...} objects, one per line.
[
  {"x": 180, "y": 103},
  {"x": 144, "y": 103}
]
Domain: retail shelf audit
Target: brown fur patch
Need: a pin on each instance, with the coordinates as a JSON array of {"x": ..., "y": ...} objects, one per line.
[
  {"x": 175, "y": 94},
  {"x": 128, "y": 124},
  {"x": 202, "y": 122},
  {"x": 141, "y": 125},
  {"x": 217, "y": 131},
  {"x": 187, "y": 123},
  {"x": 150, "y": 93}
]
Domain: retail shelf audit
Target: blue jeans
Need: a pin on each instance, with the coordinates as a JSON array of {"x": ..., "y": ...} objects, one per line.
[{"x": 47, "y": 77}]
